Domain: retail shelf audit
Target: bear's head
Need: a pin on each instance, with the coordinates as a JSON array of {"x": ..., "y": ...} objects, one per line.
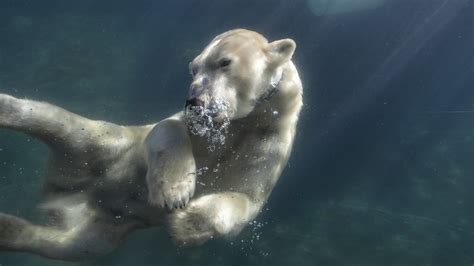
[{"x": 234, "y": 73}]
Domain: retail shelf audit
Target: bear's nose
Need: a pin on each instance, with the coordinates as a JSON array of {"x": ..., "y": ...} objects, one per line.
[
  {"x": 194, "y": 102},
  {"x": 198, "y": 86},
  {"x": 195, "y": 90}
]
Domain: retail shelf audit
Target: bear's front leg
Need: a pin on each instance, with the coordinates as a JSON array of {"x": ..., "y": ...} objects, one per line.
[
  {"x": 171, "y": 174},
  {"x": 211, "y": 216}
]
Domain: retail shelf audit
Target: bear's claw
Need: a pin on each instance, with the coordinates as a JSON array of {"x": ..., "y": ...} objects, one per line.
[{"x": 174, "y": 194}]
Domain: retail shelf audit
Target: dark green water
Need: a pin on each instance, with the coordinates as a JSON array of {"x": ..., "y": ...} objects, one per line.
[{"x": 382, "y": 172}]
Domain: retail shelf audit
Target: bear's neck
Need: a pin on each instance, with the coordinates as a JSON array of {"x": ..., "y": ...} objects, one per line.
[{"x": 281, "y": 111}]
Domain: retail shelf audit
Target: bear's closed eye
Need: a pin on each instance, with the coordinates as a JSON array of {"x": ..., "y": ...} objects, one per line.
[{"x": 225, "y": 62}]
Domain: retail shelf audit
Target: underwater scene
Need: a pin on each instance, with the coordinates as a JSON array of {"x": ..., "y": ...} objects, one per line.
[{"x": 380, "y": 169}]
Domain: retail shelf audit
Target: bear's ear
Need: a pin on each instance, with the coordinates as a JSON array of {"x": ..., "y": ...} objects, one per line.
[{"x": 281, "y": 51}]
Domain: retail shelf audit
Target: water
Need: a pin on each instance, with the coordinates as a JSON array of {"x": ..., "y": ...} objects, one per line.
[{"x": 382, "y": 169}]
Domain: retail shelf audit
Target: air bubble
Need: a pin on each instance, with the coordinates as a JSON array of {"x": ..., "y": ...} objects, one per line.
[
  {"x": 201, "y": 170},
  {"x": 200, "y": 122}
]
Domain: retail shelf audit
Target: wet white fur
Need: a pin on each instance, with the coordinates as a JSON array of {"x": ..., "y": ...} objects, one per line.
[{"x": 104, "y": 180}]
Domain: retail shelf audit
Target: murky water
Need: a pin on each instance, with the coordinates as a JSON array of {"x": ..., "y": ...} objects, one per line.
[{"x": 382, "y": 169}]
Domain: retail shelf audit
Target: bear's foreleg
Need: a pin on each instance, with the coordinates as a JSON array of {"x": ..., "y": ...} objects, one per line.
[
  {"x": 171, "y": 174},
  {"x": 211, "y": 216}
]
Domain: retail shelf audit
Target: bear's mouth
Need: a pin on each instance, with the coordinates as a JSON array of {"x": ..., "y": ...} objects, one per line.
[
  {"x": 195, "y": 102},
  {"x": 209, "y": 121}
]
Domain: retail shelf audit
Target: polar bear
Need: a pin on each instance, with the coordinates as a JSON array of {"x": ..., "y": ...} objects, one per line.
[{"x": 202, "y": 173}]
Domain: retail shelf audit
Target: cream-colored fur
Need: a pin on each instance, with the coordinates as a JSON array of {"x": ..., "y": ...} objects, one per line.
[{"x": 104, "y": 180}]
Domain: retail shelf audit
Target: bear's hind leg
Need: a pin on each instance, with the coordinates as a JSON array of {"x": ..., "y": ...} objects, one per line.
[
  {"x": 59, "y": 128},
  {"x": 83, "y": 237}
]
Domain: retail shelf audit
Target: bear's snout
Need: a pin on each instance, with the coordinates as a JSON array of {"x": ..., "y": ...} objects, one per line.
[{"x": 198, "y": 86}]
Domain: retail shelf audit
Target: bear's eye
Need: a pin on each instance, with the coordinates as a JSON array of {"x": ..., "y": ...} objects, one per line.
[{"x": 225, "y": 62}]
